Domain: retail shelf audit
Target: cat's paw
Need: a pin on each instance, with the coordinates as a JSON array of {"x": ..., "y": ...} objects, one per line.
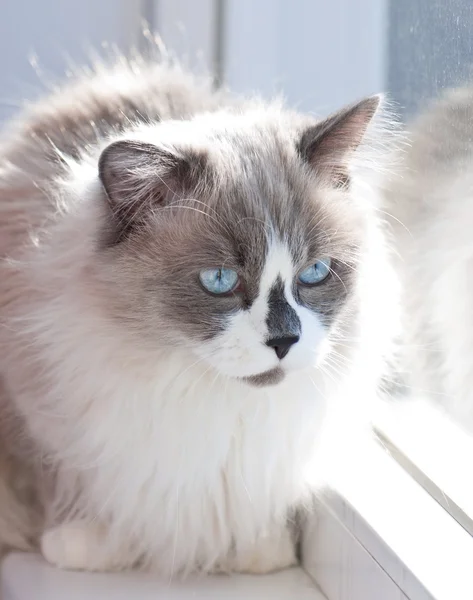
[
  {"x": 77, "y": 546},
  {"x": 270, "y": 553}
]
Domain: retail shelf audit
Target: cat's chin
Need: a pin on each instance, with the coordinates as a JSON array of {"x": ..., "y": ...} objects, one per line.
[{"x": 267, "y": 378}]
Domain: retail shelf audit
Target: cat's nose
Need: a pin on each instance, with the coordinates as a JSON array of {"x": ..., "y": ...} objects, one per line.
[{"x": 282, "y": 345}]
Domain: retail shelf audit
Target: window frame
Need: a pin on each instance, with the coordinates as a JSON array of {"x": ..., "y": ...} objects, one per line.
[{"x": 391, "y": 529}]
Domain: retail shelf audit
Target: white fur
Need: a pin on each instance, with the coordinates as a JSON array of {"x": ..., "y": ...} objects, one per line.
[
  {"x": 176, "y": 456},
  {"x": 179, "y": 463}
]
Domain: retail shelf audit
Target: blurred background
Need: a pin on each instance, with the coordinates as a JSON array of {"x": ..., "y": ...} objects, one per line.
[{"x": 319, "y": 53}]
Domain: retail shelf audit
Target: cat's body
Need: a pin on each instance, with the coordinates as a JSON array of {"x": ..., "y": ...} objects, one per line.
[
  {"x": 432, "y": 202},
  {"x": 155, "y": 425}
]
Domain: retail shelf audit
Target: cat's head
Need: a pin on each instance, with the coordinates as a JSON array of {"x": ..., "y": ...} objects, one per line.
[{"x": 235, "y": 236}]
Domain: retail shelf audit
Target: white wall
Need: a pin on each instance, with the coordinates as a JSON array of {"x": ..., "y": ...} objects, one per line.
[
  {"x": 54, "y": 30},
  {"x": 321, "y": 53},
  {"x": 189, "y": 29}
]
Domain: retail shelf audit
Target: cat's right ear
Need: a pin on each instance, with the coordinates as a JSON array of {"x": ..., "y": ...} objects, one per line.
[
  {"x": 138, "y": 177},
  {"x": 328, "y": 146}
]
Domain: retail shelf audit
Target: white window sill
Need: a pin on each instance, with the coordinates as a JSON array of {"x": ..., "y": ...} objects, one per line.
[
  {"x": 381, "y": 536},
  {"x": 27, "y": 577},
  {"x": 432, "y": 447}
]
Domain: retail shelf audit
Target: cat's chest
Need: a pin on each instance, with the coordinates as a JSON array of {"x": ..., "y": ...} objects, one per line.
[
  {"x": 208, "y": 426},
  {"x": 210, "y": 439}
]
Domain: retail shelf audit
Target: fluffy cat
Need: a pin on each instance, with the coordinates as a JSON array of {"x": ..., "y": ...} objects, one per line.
[
  {"x": 191, "y": 285},
  {"x": 432, "y": 200}
]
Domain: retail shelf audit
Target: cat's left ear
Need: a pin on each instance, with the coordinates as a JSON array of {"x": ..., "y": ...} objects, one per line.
[{"x": 328, "y": 145}]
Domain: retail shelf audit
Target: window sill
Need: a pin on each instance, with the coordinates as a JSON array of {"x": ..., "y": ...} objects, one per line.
[
  {"x": 434, "y": 450},
  {"x": 381, "y": 536},
  {"x": 27, "y": 577}
]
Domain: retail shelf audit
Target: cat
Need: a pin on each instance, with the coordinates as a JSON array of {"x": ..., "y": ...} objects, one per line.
[
  {"x": 431, "y": 201},
  {"x": 193, "y": 286}
]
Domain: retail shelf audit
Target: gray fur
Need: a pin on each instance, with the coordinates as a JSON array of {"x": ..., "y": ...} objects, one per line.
[{"x": 282, "y": 319}]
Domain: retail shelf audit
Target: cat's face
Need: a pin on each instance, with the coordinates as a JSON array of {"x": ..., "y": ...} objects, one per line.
[
  {"x": 241, "y": 248},
  {"x": 280, "y": 324}
]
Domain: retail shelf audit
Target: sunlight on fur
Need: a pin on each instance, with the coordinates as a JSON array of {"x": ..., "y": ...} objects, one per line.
[{"x": 150, "y": 423}]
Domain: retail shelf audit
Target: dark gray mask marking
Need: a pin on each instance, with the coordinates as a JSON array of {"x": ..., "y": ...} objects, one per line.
[{"x": 282, "y": 319}]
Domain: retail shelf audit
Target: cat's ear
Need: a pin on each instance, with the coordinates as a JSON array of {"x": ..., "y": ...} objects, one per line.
[
  {"x": 327, "y": 146},
  {"x": 138, "y": 176}
]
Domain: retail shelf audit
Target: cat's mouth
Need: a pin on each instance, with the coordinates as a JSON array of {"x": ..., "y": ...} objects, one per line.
[{"x": 271, "y": 377}]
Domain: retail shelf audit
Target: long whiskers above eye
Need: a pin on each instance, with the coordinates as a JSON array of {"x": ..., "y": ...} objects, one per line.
[
  {"x": 172, "y": 207},
  {"x": 347, "y": 265},
  {"x": 206, "y": 207},
  {"x": 179, "y": 202},
  {"x": 317, "y": 223},
  {"x": 333, "y": 272},
  {"x": 266, "y": 226}
]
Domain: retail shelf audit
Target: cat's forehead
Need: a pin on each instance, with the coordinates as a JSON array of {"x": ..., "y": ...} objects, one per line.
[
  {"x": 241, "y": 216},
  {"x": 270, "y": 201},
  {"x": 253, "y": 190}
]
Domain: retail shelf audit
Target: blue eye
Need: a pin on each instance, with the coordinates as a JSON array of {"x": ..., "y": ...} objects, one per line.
[
  {"x": 219, "y": 281},
  {"x": 316, "y": 273}
]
